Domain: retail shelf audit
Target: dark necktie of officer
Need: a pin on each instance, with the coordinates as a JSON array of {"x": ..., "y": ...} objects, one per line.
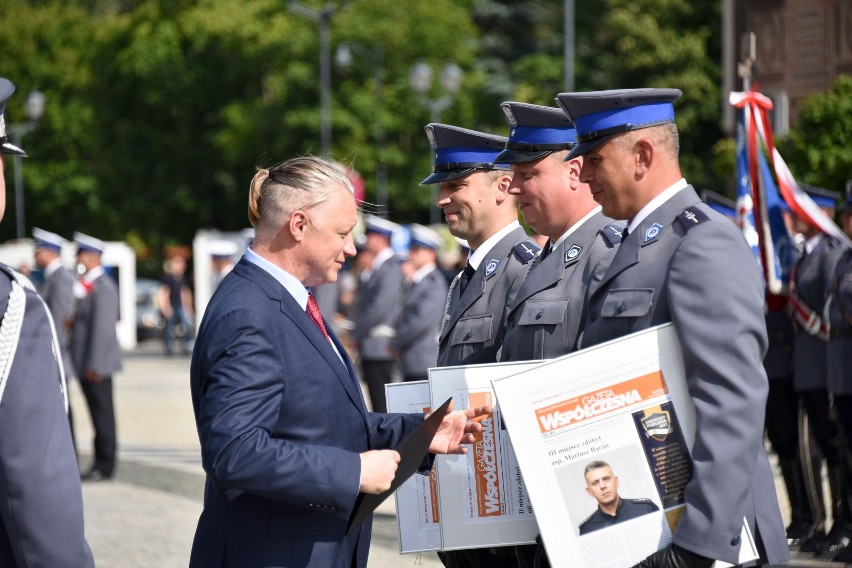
[
  {"x": 624, "y": 233},
  {"x": 466, "y": 275},
  {"x": 314, "y": 313},
  {"x": 548, "y": 247}
]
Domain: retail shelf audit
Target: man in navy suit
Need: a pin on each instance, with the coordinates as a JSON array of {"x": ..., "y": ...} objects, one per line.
[{"x": 286, "y": 439}]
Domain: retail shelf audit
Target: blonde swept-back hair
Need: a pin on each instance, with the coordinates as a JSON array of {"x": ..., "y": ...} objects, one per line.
[{"x": 294, "y": 184}]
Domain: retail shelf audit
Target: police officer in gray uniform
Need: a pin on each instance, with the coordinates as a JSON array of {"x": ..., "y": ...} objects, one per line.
[
  {"x": 57, "y": 291},
  {"x": 423, "y": 299},
  {"x": 684, "y": 263},
  {"x": 474, "y": 195},
  {"x": 810, "y": 284},
  {"x": 378, "y": 305},
  {"x": 840, "y": 345},
  {"x": 95, "y": 350},
  {"x": 41, "y": 505},
  {"x": 547, "y": 315}
]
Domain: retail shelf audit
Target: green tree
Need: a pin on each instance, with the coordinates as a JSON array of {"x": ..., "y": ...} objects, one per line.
[
  {"x": 48, "y": 47},
  {"x": 817, "y": 150}
]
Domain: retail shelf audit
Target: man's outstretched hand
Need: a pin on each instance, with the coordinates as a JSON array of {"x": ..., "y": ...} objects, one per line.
[{"x": 457, "y": 429}]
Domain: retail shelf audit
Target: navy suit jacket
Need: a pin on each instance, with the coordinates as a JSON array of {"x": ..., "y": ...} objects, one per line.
[{"x": 282, "y": 421}]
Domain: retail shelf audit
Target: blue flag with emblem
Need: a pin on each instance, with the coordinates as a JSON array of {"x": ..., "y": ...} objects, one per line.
[{"x": 760, "y": 213}]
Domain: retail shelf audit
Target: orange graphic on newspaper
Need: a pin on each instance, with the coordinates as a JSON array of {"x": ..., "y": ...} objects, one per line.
[
  {"x": 600, "y": 402},
  {"x": 486, "y": 466}
]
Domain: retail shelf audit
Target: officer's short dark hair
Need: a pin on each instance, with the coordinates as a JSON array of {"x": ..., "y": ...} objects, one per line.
[{"x": 597, "y": 464}]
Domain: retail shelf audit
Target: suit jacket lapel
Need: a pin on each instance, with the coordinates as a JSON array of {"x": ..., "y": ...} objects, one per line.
[{"x": 301, "y": 320}]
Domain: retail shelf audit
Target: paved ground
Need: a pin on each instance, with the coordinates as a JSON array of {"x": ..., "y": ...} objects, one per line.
[{"x": 146, "y": 516}]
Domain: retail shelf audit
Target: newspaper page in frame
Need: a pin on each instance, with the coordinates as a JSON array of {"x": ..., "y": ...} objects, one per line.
[
  {"x": 624, "y": 403},
  {"x": 483, "y": 501},
  {"x": 417, "y": 499}
]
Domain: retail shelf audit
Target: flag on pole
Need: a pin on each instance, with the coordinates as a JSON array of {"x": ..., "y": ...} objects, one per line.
[{"x": 760, "y": 204}]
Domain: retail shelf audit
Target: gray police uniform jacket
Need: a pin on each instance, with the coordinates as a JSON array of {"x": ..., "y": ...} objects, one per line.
[
  {"x": 420, "y": 323},
  {"x": 94, "y": 342},
  {"x": 41, "y": 505},
  {"x": 840, "y": 316},
  {"x": 379, "y": 302},
  {"x": 57, "y": 290},
  {"x": 475, "y": 322},
  {"x": 547, "y": 315},
  {"x": 689, "y": 265},
  {"x": 813, "y": 272}
]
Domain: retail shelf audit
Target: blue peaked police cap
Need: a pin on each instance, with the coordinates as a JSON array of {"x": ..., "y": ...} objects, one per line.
[
  {"x": 7, "y": 89},
  {"x": 598, "y": 115},
  {"x": 720, "y": 203},
  {"x": 458, "y": 151},
  {"x": 48, "y": 240},
  {"x": 535, "y": 131},
  {"x": 826, "y": 198}
]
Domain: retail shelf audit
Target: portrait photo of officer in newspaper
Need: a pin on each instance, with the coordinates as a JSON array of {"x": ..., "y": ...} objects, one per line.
[{"x": 602, "y": 485}]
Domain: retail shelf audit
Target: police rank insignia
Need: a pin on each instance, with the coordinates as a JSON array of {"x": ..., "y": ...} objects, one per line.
[
  {"x": 653, "y": 232},
  {"x": 526, "y": 251},
  {"x": 491, "y": 267},
  {"x": 573, "y": 253}
]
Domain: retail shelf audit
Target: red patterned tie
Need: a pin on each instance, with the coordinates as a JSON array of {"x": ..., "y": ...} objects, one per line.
[{"x": 314, "y": 312}]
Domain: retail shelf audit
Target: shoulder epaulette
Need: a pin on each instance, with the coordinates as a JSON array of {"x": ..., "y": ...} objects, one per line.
[
  {"x": 692, "y": 217},
  {"x": 612, "y": 233},
  {"x": 526, "y": 251},
  {"x": 642, "y": 500},
  {"x": 586, "y": 521}
]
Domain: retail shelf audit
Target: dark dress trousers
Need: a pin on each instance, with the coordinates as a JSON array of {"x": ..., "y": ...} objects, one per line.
[
  {"x": 282, "y": 422},
  {"x": 689, "y": 265}
]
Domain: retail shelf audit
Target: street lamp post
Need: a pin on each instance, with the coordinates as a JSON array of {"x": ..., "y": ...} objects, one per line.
[
  {"x": 33, "y": 109},
  {"x": 323, "y": 18},
  {"x": 375, "y": 57},
  {"x": 420, "y": 79}
]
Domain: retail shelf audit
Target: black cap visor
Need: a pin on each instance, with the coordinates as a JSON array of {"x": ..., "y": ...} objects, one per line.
[
  {"x": 583, "y": 148},
  {"x": 9, "y": 148},
  {"x": 513, "y": 156},
  {"x": 446, "y": 175}
]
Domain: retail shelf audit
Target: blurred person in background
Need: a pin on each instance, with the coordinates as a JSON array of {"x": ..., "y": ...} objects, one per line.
[
  {"x": 95, "y": 350},
  {"x": 175, "y": 302},
  {"x": 377, "y": 309},
  {"x": 423, "y": 298}
]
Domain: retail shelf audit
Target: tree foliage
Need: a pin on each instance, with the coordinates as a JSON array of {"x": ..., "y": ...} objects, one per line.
[
  {"x": 159, "y": 110},
  {"x": 817, "y": 149}
]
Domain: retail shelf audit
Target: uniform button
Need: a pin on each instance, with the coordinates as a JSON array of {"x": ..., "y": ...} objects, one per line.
[
  {"x": 539, "y": 314},
  {"x": 621, "y": 307},
  {"x": 735, "y": 541},
  {"x": 468, "y": 334}
]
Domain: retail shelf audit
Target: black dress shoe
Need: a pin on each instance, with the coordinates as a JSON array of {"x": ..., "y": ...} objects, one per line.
[
  {"x": 799, "y": 533},
  {"x": 94, "y": 475},
  {"x": 837, "y": 539}
]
